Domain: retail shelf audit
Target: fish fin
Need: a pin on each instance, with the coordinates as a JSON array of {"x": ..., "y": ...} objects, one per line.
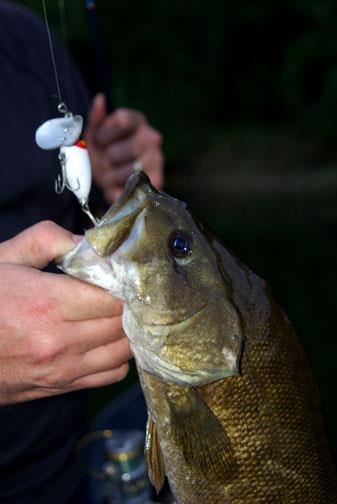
[
  {"x": 199, "y": 434},
  {"x": 153, "y": 455}
]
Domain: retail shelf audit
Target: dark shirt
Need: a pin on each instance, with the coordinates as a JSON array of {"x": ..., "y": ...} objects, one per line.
[{"x": 37, "y": 438}]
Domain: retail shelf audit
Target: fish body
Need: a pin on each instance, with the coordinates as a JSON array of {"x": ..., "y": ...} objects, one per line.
[{"x": 234, "y": 410}]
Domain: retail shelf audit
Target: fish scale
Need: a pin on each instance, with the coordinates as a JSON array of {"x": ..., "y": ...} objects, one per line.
[{"x": 272, "y": 416}]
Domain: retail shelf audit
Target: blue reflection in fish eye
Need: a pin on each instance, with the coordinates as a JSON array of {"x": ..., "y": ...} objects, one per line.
[{"x": 180, "y": 244}]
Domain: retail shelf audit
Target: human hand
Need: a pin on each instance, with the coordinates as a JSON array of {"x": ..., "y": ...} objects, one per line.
[
  {"x": 57, "y": 334},
  {"x": 115, "y": 142}
]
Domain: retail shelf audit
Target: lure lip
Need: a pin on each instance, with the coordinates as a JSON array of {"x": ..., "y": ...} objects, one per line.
[{"x": 55, "y": 133}]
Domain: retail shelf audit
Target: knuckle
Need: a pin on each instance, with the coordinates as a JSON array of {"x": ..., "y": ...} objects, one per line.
[
  {"x": 45, "y": 228},
  {"x": 45, "y": 349},
  {"x": 122, "y": 118},
  {"x": 58, "y": 378},
  {"x": 41, "y": 233}
]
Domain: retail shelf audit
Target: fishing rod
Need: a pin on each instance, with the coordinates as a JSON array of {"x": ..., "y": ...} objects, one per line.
[{"x": 96, "y": 35}]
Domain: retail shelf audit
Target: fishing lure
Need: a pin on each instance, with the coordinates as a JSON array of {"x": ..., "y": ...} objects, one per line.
[{"x": 64, "y": 133}]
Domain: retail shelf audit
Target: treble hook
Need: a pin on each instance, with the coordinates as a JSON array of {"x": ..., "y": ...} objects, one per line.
[
  {"x": 77, "y": 188},
  {"x": 76, "y": 175},
  {"x": 59, "y": 185},
  {"x": 61, "y": 182}
]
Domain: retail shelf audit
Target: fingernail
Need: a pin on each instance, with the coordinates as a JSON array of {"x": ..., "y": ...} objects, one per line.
[{"x": 77, "y": 238}]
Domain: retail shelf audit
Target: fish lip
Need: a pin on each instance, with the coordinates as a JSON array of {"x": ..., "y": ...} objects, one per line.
[
  {"x": 190, "y": 315},
  {"x": 137, "y": 181}
]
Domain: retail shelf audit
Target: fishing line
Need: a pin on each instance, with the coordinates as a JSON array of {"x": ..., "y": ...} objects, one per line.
[
  {"x": 63, "y": 24},
  {"x": 61, "y": 106}
]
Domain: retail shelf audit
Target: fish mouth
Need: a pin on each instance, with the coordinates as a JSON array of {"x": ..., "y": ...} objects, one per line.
[
  {"x": 137, "y": 183},
  {"x": 152, "y": 362},
  {"x": 109, "y": 234},
  {"x": 117, "y": 222},
  {"x": 185, "y": 317}
]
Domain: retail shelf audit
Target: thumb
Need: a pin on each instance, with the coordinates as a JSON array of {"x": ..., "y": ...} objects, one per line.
[
  {"x": 38, "y": 245},
  {"x": 96, "y": 116}
]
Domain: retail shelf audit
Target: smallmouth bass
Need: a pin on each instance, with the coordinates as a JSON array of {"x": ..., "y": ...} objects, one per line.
[{"x": 234, "y": 410}]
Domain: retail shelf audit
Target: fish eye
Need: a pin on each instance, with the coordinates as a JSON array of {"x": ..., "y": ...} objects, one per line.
[{"x": 180, "y": 244}]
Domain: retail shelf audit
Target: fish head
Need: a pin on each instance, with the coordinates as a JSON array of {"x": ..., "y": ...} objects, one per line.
[{"x": 149, "y": 251}]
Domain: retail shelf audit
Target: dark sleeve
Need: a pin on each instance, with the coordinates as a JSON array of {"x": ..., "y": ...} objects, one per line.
[{"x": 37, "y": 438}]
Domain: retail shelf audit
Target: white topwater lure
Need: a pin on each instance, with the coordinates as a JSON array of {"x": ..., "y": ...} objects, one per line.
[{"x": 64, "y": 133}]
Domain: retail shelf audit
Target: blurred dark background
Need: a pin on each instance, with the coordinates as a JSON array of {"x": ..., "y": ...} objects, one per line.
[{"x": 245, "y": 94}]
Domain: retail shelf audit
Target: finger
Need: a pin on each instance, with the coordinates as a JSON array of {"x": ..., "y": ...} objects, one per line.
[
  {"x": 113, "y": 193},
  {"x": 122, "y": 151},
  {"x": 79, "y": 301},
  {"x": 101, "y": 379},
  {"x": 113, "y": 181},
  {"x": 83, "y": 337},
  {"x": 96, "y": 116},
  {"x": 37, "y": 245},
  {"x": 121, "y": 123},
  {"x": 99, "y": 360},
  {"x": 145, "y": 139},
  {"x": 117, "y": 176},
  {"x": 105, "y": 358},
  {"x": 153, "y": 162}
]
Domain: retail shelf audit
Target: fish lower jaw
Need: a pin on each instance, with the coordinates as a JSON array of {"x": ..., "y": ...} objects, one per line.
[
  {"x": 162, "y": 323},
  {"x": 150, "y": 362}
]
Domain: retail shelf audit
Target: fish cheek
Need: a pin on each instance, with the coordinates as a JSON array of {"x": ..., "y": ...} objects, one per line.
[{"x": 209, "y": 344}]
